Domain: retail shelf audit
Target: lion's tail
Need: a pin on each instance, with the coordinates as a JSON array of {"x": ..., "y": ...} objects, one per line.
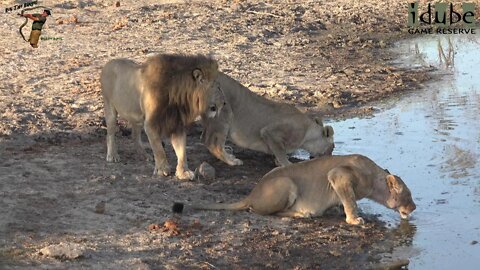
[{"x": 240, "y": 205}]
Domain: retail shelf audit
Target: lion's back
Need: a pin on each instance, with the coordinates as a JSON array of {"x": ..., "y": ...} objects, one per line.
[{"x": 118, "y": 75}]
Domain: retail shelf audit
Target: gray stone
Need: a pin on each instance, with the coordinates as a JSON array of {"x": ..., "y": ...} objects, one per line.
[
  {"x": 205, "y": 171},
  {"x": 63, "y": 251}
]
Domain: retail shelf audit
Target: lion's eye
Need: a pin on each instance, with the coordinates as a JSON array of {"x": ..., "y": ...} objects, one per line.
[{"x": 213, "y": 108}]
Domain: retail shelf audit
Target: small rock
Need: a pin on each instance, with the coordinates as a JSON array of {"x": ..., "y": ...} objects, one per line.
[
  {"x": 100, "y": 208},
  {"x": 63, "y": 251},
  {"x": 205, "y": 171},
  {"x": 246, "y": 225},
  {"x": 335, "y": 253},
  {"x": 196, "y": 225},
  {"x": 382, "y": 44},
  {"x": 71, "y": 19},
  {"x": 236, "y": 6},
  {"x": 120, "y": 23},
  {"x": 349, "y": 72},
  {"x": 154, "y": 227},
  {"x": 336, "y": 104},
  {"x": 117, "y": 4}
]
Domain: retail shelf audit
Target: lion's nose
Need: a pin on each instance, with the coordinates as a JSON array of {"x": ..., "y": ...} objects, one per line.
[{"x": 330, "y": 150}]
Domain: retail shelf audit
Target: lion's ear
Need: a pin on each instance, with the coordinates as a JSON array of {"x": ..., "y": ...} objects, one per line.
[
  {"x": 327, "y": 131},
  {"x": 319, "y": 121},
  {"x": 197, "y": 75},
  {"x": 393, "y": 184}
]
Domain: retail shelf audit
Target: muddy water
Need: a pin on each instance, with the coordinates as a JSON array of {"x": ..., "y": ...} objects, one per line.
[{"x": 430, "y": 137}]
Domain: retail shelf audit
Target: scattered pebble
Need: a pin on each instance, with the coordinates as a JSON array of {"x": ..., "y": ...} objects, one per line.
[
  {"x": 154, "y": 227},
  {"x": 205, "y": 172},
  {"x": 100, "y": 207},
  {"x": 63, "y": 251},
  {"x": 72, "y": 19}
]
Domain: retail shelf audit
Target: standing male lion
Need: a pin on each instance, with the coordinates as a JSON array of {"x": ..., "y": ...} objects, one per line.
[{"x": 163, "y": 95}]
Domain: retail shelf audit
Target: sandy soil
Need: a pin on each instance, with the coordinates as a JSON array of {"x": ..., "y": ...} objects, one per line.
[{"x": 56, "y": 187}]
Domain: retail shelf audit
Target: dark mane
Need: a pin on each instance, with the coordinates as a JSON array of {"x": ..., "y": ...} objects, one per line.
[{"x": 168, "y": 80}]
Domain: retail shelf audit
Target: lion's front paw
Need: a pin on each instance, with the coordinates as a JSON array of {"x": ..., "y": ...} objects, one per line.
[
  {"x": 355, "y": 221},
  {"x": 163, "y": 169},
  {"x": 113, "y": 157},
  {"x": 235, "y": 162},
  {"x": 184, "y": 174}
]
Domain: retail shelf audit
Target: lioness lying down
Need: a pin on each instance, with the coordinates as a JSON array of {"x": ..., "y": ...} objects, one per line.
[
  {"x": 257, "y": 123},
  {"x": 163, "y": 96},
  {"x": 308, "y": 188}
]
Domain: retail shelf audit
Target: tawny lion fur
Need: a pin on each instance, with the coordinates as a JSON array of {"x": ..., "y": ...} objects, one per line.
[
  {"x": 254, "y": 122},
  {"x": 163, "y": 95},
  {"x": 307, "y": 189}
]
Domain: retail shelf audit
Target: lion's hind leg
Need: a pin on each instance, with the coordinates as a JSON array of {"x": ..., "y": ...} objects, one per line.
[
  {"x": 137, "y": 140},
  {"x": 341, "y": 179},
  {"x": 111, "y": 121},
  {"x": 273, "y": 137},
  {"x": 274, "y": 196},
  {"x": 155, "y": 139}
]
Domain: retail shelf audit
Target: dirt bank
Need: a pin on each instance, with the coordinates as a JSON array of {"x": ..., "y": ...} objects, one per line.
[{"x": 53, "y": 178}]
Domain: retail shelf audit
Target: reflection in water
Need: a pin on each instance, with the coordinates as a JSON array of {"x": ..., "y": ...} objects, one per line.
[
  {"x": 449, "y": 58},
  {"x": 458, "y": 161},
  {"x": 445, "y": 57},
  {"x": 431, "y": 138},
  {"x": 405, "y": 232}
]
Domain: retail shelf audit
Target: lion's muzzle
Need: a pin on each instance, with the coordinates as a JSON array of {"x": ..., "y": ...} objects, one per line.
[{"x": 405, "y": 211}]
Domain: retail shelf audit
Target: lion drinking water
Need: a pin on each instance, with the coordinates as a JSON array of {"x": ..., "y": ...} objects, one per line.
[
  {"x": 308, "y": 188},
  {"x": 163, "y": 96},
  {"x": 257, "y": 123}
]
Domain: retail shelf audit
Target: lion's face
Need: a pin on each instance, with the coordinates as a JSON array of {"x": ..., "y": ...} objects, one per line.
[
  {"x": 319, "y": 139},
  {"x": 216, "y": 101},
  {"x": 400, "y": 197}
]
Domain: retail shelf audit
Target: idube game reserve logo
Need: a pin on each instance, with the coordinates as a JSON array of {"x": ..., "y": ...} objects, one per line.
[{"x": 441, "y": 18}]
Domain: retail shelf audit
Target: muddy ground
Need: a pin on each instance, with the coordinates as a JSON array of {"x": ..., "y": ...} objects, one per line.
[{"x": 325, "y": 56}]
